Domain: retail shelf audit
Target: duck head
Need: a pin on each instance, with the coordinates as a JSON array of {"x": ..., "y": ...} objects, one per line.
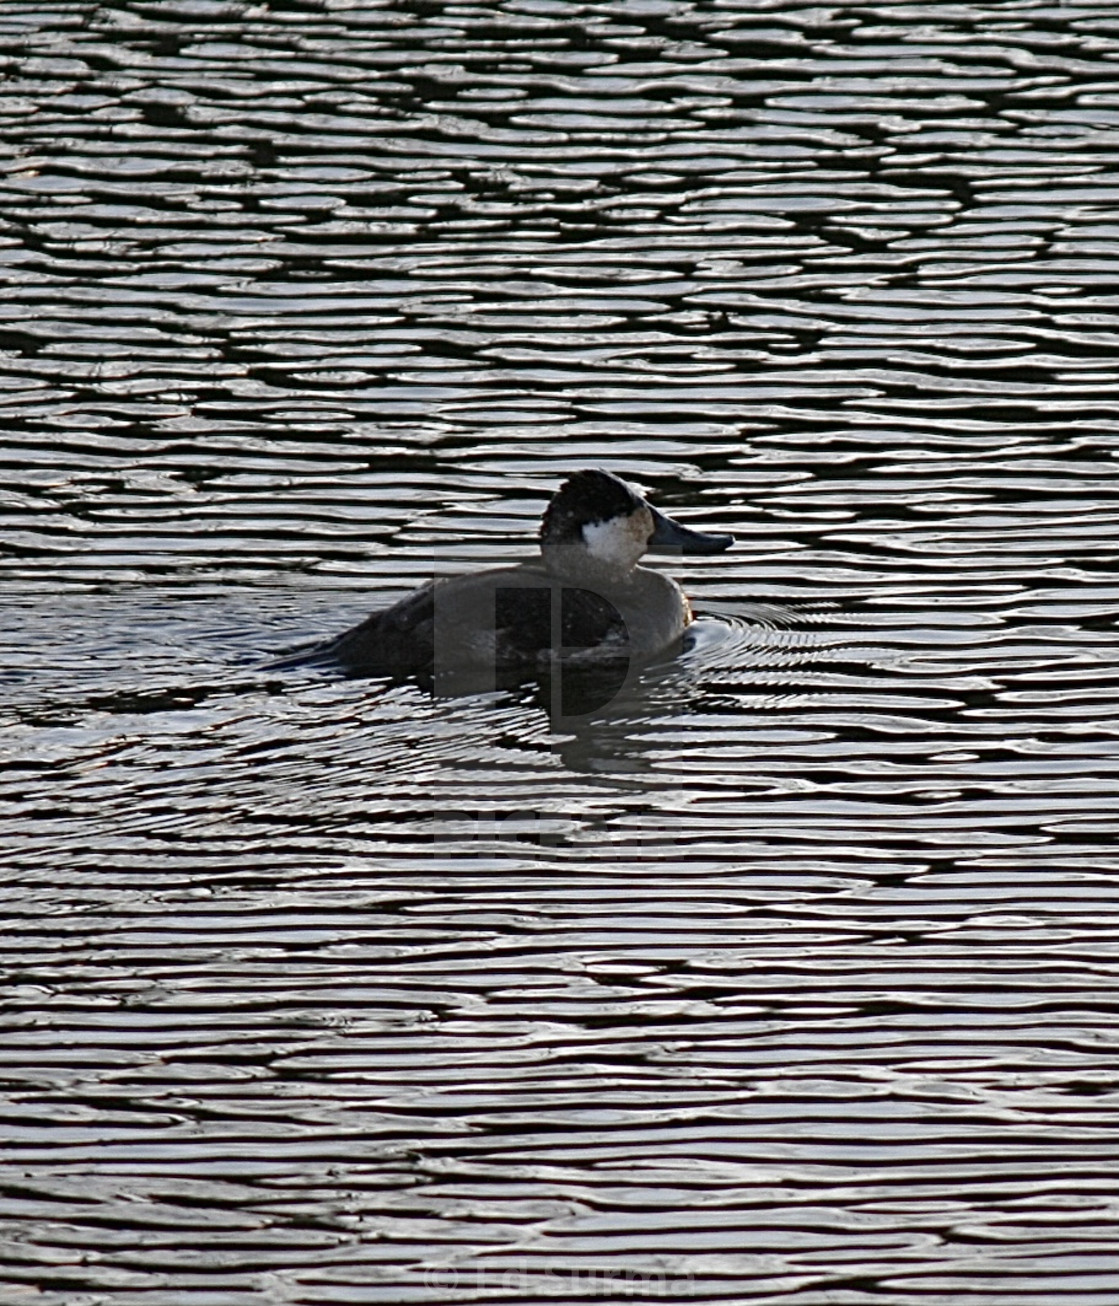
[{"x": 596, "y": 523}]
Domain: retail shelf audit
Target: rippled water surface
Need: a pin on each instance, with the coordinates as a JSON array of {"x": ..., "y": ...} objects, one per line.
[{"x": 791, "y": 974}]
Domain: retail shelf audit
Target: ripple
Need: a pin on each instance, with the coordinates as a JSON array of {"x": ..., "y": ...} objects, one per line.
[{"x": 787, "y": 973}]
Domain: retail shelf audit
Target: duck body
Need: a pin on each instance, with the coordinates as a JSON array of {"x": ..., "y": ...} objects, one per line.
[
  {"x": 584, "y": 601},
  {"x": 518, "y": 617}
]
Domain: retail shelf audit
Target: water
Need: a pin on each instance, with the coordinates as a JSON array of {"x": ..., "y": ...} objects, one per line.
[{"x": 788, "y": 976}]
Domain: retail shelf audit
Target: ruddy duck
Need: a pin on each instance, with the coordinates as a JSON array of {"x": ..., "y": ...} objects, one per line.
[{"x": 585, "y": 600}]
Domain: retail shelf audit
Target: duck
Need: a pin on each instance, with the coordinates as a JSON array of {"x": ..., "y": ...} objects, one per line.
[{"x": 585, "y": 600}]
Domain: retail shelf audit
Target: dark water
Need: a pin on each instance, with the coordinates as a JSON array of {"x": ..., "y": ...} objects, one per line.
[{"x": 792, "y": 975}]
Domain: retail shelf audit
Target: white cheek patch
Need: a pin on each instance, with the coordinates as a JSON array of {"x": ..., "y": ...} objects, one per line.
[{"x": 615, "y": 542}]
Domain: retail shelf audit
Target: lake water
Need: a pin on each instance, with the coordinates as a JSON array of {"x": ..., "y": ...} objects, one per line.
[{"x": 788, "y": 976}]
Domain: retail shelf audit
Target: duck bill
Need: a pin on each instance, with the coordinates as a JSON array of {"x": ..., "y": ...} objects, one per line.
[{"x": 670, "y": 537}]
